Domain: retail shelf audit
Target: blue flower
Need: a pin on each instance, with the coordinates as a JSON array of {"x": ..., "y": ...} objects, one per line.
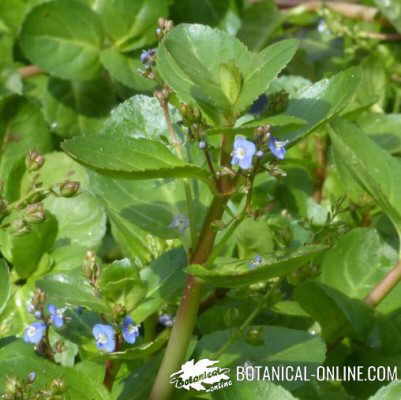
[
  {"x": 257, "y": 260},
  {"x": 147, "y": 56},
  {"x": 105, "y": 337},
  {"x": 130, "y": 330},
  {"x": 31, "y": 377},
  {"x": 243, "y": 152},
  {"x": 56, "y": 315},
  {"x": 166, "y": 320},
  {"x": 34, "y": 332},
  {"x": 277, "y": 147},
  {"x": 180, "y": 222}
]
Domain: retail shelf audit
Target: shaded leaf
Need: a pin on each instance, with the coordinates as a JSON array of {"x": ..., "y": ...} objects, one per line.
[
  {"x": 124, "y": 69},
  {"x": 233, "y": 273},
  {"x": 131, "y": 24},
  {"x": 371, "y": 167},
  {"x": 357, "y": 262},
  {"x": 71, "y": 288},
  {"x": 337, "y": 314},
  {"x": 322, "y": 101},
  {"x": 63, "y": 37}
]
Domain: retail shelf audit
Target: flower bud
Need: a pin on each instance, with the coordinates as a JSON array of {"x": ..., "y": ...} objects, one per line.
[
  {"x": 69, "y": 188},
  {"x": 19, "y": 227},
  {"x": 34, "y": 161},
  {"x": 35, "y": 213},
  {"x": 57, "y": 386},
  {"x": 202, "y": 144}
]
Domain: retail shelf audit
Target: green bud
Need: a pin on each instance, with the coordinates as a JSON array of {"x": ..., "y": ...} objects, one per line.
[
  {"x": 34, "y": 161},
  {"x": 69, "y": 188},
  {"x": 35, "y": 213},
  {"x": 278, "y": 102},
  {"x": 19, "y": 227},
  {"x": 255, "y": 336},
  {"x": 57, "y": 386},
  {"x": 119, "y": 311}
]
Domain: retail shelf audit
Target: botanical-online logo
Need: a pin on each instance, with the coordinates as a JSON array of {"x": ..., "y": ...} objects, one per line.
[{"x": 201, "y": 376}]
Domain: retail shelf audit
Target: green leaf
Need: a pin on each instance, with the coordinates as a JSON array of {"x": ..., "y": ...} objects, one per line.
[
  {"x": 371, "y": 167},
  {"x": 15, "y": 317},
  {"x": 124, "y": 69},
  {"x": 384, "y": 129},
  {"x": 209, "y": 13},
  {"x": 19, "y": 359},
  {"x": 139, "y": 158},
  {"x": 276, "y": 346},
  {"x": 337, "y": 314},
  {"x": 248, "y": 128},
  {"x": 131, "y": 24},
  {"x": 190, "y": 60},
  {"x": 25, "y": 250},
  {"x": 233, "y": 273},
  {"x": 139, "y": 117},
  {"x": 259, "y": 21},
  {"x": 258, "y": 390},
  {"x": 24, "y": 129},
  {"x": 63, "y": 37},
  {"x": 81, "y": 219},
  {"x": 5, "y": 285},
  {"x": 164, "y": 279},
  {"x": 74, "y": 107},
  {"x": 390, "y": 392},
  {"x": 344, "y": 266},
  {"x": 391, "y": 10},
  {"x": 120, "y": 283},
  {"x": 71, "y": 288},
  {"x": 321, "y": 102}
]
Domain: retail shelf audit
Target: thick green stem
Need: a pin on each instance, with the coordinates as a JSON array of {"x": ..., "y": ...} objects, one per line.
[{"x": 186, "y": 315}]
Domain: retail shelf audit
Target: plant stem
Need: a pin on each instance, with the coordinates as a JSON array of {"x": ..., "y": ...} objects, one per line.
[
  {"x": 384, "y": 287},
  {"x": 187, "y": 312},
  {"x": 29, "y": 70}
]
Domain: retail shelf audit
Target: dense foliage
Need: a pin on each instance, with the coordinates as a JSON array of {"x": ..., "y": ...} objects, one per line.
[{"x": 198, "y": 180}]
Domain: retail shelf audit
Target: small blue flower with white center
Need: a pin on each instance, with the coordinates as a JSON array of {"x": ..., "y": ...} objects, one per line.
[
  {"x": 243, "y": 152},
  {"x": 34, "y": 332},
  {"x": 31, "y": 377},
  {"x": 166, "y": 320},
  {"x": 130, "y": 330},
  {"x": 277, "y": 147},
  {"x": 257, "y": 260},
  {"x": 56, "y": 315},
  {"x": 105, "y": 337},
  {"x": 180, "y": 222},
  {"x": 202, "y": 144},
  {"x": 37, "y": 314},
  {"x": 147, "y": 56}
]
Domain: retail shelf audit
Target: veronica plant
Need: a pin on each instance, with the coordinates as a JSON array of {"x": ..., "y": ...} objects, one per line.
[{"x": 172, "y": 192}]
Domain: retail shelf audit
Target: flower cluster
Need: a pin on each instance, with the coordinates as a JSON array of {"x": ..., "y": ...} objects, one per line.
[
  {"x": 244, "y": 150},
  {"x": 35, "y": 332},
  {"x": 105, "y": 335}
]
